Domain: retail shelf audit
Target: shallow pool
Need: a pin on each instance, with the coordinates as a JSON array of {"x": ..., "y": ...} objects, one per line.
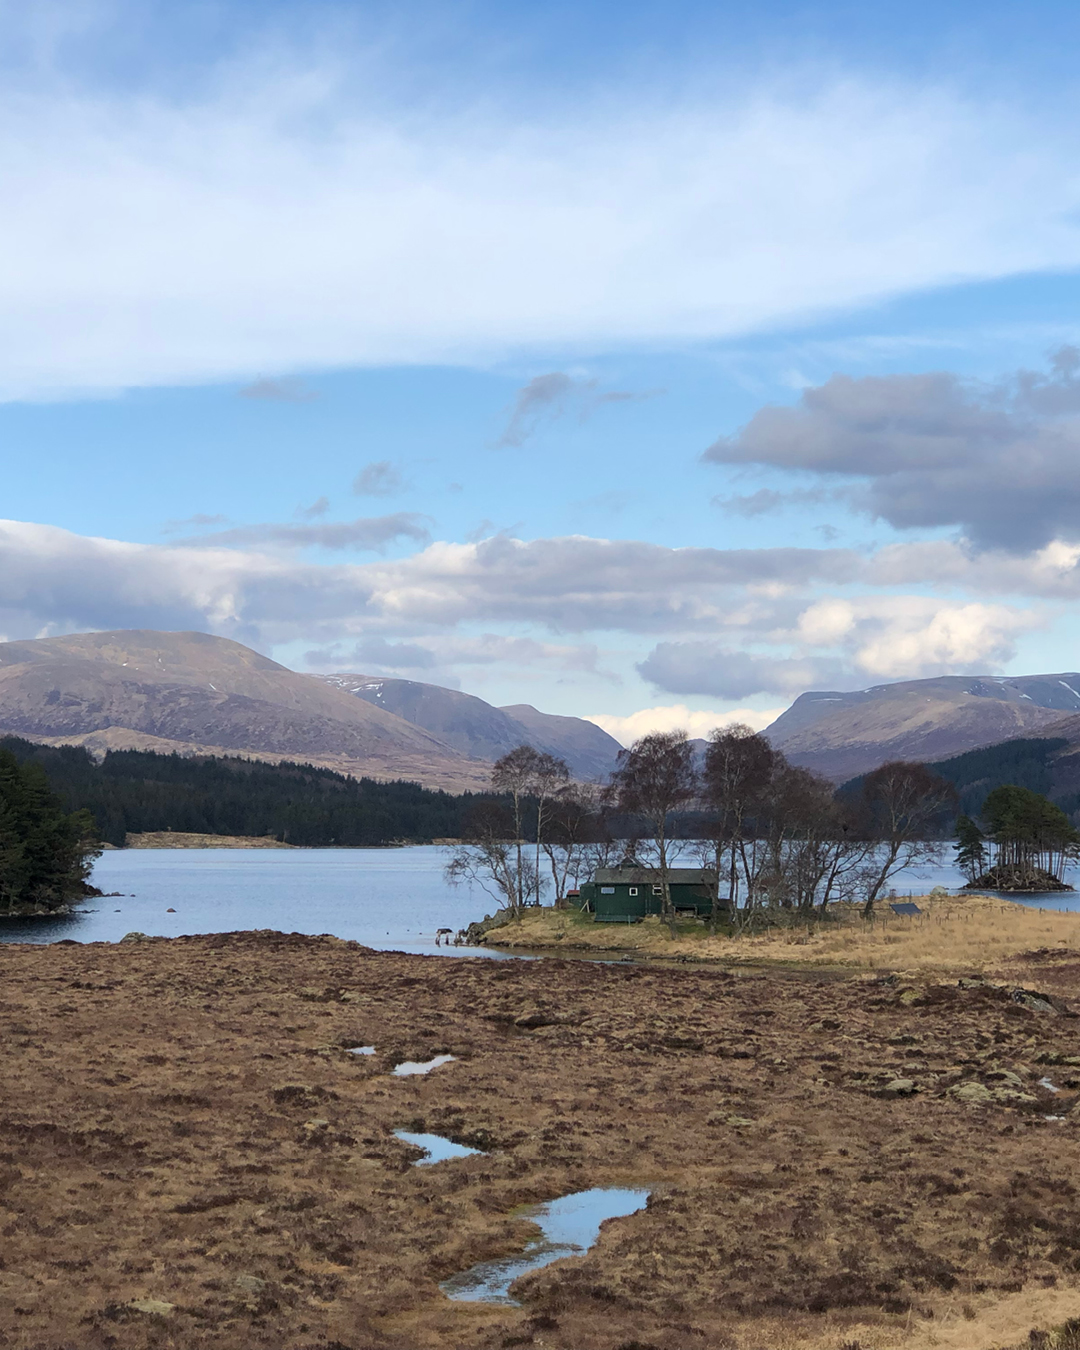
[
  {"x": 569, "y": 1226},
  {"x": 436, "y": 1148},
  {"x": 408, "y": 1067}
]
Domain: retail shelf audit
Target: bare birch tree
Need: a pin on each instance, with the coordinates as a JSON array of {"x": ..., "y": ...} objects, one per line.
[{"x": 655, "y": 778}]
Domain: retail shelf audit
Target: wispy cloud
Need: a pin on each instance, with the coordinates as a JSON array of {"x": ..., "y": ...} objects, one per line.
[
  {"x": 373, "y": 533},
  {"x": 273, "y": 220},
  {"x": 192, "y": 522},
  {"x": 380, "y": 478},
  {"x": 315, "y": 511},
  {"x": 278, "y": 391},
  {"x": 548, "y": 397}
]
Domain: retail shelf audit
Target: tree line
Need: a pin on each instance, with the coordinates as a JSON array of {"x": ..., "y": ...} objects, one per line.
[
  {"x": 134, "y": 791},
  {"x": 773, "y": 836}
]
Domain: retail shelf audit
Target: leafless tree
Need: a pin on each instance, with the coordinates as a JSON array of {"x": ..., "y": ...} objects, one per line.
[
  {"x": 526, "y": 774},
  {"x": 491, "y": 857},
  {"x": 550, "y": 778},
  {"x": 653, "y": 779},
  {"x": 513, "y": 775},
  {"x": 901, "y": 805},
  {"x": 576, "y": 836},
  {"x": 738, "y": 768}
]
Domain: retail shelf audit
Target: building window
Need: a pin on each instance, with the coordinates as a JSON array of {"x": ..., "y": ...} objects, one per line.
[
  {"x": 607, "y": 890},
  {"x": 658, "y": 890},
  {"x": 633, "y": 890}
]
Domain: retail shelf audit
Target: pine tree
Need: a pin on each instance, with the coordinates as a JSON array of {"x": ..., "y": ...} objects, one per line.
[
  {"x": 45, "y": 853},
  {"x": 970, "y": 848}
]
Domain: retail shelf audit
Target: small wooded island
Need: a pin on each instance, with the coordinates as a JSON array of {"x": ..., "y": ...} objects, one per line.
[{"x": 1029, "y": 842}]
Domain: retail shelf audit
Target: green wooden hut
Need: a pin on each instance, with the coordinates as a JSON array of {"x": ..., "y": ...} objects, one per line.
[{"x": 628, "y": 894}]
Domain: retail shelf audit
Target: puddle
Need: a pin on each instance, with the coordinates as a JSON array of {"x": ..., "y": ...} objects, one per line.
[
  {"x": 1046, "y": 1083},
  {"x": 570, "y": 1226},
  {"x": 436, "y": 1148},
  {"x": 411, "y": 1066},
  {"x": 361, "y": 1049}
]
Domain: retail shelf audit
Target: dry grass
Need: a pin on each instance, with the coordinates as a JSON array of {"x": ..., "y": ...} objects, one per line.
[{"x": 968, "y": 933}]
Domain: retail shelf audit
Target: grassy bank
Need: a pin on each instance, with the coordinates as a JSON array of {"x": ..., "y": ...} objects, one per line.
[{"x": 955, "y": 933}]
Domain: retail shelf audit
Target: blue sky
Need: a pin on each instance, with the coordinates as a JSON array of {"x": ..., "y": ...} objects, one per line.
[{"x": 646, "y": 362}]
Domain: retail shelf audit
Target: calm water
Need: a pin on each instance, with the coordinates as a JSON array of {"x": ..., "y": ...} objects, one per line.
[
  {"x": 436, "y": 1148},
  {"x": 390, "y": 898},
  {"x": 570, "y": 1226},
  {"x": 393, "y": 899}
]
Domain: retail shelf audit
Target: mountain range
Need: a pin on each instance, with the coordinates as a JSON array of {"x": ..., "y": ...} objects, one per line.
[
  {"x": 843, "y": 735},
  {"x": 197, "y": 694}
]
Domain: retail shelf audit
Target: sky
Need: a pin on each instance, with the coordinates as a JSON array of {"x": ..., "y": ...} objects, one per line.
[{"x": 646, "y": 362}]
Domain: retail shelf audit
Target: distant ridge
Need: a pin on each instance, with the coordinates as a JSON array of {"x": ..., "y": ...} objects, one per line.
[
  {"x": 844, "y": 734},
  {"x": 482, "y": 731}
]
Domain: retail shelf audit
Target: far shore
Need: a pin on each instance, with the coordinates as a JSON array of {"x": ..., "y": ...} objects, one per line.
[{"x": 178, "y": 839}]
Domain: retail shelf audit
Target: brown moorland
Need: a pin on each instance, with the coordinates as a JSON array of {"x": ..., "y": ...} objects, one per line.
[{"x": 190, "y": 1157}]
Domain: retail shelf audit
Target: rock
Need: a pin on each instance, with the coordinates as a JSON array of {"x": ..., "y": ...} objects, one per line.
[
  {"x": 135, "y": 937},
  {"x": 1006, "y": 1077},
  {"x": 899, "y": 1087},
  {"x": 739, "y": 1122},
  {"x": 1037, "y": 1002},
  {"x": 315, "y": 1126},
  {"x": 154, "y": 1306},
  {"x": 170, "y": 911},
  {"x": 536, "y": 1019},
  {"x": 312, "y": 993},
  {"x": 909, "y": 996},
  {"x": 972, "y": 1093},
  {"x": 1013, "y": 1098},
  {"x": 251, "y": 1284}
]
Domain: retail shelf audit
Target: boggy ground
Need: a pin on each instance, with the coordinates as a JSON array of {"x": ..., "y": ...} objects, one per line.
[{"x": 182, "y": 1129}]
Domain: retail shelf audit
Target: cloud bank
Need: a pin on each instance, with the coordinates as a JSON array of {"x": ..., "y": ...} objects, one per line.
[{"x": 736, "y": 622}]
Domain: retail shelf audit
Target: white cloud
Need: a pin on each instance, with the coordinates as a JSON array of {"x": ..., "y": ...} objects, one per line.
[
  {"x": 905, "y": 636},
  {"x": 678, "y": 717},
  {"x": 50, "y": 578},
  {"x": 273, "y": 222}
]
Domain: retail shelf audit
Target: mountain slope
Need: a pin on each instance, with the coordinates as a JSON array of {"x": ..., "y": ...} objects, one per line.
[
  {"x": 588, "y": 749},
  {"x": 846, "y": 734},
  {"x": 476, "y": 728},
  {"x": 465, "y": 722},
  {"x": 194, "y": 692}
]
